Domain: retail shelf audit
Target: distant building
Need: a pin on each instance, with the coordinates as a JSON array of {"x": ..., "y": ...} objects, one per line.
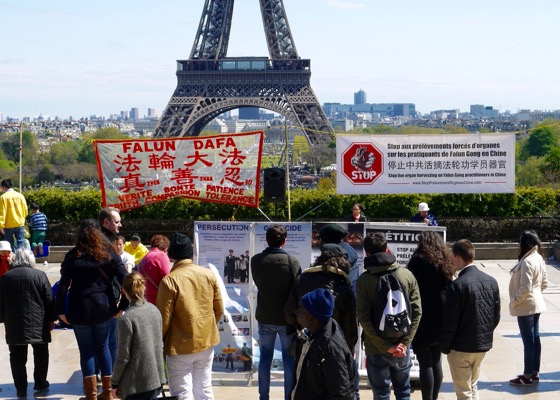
[
  {"x": 249, "y": 113},
  {"x": 345, "y": 125},
  {"x": 482, "y": 111},
  {"x": 125, "y": 115},
  {"x": 134, "y": 114},
  {"x": 360, "y": 97},
  {"x": 445, "y": 114},
  {"x": 152, "y": 112},
  {"x": 383, "y": 109}
]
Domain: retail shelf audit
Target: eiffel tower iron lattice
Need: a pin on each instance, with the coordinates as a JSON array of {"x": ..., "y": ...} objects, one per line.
[{"x": 209, "y": 83}]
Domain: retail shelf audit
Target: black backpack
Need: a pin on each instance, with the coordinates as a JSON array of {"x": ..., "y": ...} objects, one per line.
[{"x": 391, "y": 312}]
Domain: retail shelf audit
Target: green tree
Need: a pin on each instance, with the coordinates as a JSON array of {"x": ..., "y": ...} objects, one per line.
[
  {"x": 528, "y": 172},
  {"x": 64, "y": 153},
  {"x": 541, "y": 140},
  {"x": 45, "y": 175}
]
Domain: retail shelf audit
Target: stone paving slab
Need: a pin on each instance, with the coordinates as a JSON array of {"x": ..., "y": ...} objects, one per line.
[{"x": 502, "y": 363}]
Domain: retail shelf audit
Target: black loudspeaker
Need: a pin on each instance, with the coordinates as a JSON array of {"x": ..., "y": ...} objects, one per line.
[{"x": 274, "y": 185}]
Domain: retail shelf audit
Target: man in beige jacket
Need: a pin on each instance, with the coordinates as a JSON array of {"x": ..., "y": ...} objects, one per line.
[{"x": 190, "y": 303}]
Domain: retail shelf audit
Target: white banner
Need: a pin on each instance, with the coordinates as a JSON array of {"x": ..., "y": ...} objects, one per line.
[
  {"x": 222, "y": 169},
  {"x": 398, "y": 164}
]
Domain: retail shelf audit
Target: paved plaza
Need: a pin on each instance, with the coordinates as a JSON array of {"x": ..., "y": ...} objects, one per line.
[{"x": 502, "y": 363}]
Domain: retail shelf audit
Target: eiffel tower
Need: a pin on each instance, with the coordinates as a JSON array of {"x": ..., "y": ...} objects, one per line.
[{"x": 209, "y": 83}]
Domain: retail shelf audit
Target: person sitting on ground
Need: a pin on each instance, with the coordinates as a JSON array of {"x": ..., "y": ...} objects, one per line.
[
  {"x": 136, "y": 248},
  {"x": 38, "y": 226},
  {"x": 424, "y": 216}
]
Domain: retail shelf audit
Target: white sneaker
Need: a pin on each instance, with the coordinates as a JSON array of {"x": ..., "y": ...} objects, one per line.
[{"x": 46, "y": 263}]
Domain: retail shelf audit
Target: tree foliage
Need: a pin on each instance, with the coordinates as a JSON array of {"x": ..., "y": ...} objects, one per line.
[{"x": 541, "y": 140}]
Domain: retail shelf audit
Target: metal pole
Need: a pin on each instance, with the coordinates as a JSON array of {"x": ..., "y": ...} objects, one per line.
[
  {"x": 288, "y": 173},
  {"x": 20, "y": 153}
]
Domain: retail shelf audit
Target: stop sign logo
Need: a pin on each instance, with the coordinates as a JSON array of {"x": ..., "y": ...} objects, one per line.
[{"x": 362, "y": 163}]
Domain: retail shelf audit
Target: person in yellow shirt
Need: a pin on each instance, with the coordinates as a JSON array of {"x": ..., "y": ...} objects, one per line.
[
  {"x": 136, "y": 248},
  {"x": 13, "y": 211}
]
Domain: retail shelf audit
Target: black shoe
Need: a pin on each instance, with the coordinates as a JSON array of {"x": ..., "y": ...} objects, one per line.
[
  {"x": 22, "y": 393},
  {"x": 43, "y": 386}
]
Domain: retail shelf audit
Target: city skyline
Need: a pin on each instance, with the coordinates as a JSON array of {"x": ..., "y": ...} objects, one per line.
[{"x": 68, "y": 58}]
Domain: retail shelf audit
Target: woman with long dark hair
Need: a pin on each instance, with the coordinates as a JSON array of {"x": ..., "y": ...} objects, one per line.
[
  {"x": 528, "y": 280},
  {"x": 432, "y": 265},
  {"x": 86, "y": 276}
]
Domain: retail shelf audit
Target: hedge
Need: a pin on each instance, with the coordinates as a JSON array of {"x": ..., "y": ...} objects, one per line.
[{"x": 487, "y": 217}]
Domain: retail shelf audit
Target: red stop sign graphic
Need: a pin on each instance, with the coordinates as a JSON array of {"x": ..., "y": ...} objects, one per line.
[{"x": 362, "y": 163}]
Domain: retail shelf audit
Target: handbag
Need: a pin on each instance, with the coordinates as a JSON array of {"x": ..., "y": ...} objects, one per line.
[{"x": 115, "y": 285}]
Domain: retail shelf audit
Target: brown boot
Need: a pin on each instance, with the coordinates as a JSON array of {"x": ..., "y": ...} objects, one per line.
[
  {"x": 90, "y": 388},
  {"x": 106, "y": 393}
]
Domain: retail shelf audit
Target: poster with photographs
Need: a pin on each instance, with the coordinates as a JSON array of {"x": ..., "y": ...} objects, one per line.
[
  {"x": 298, "y": 241},
  {"x": 224, "y": 247}
]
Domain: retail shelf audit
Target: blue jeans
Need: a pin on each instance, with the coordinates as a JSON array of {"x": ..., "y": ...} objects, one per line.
[
  {"x": 93, "y": 344},
  {"x": 15, "y": 236},
  {"x": 113, "y": 340},
  {"x": 384, "y": 369},
  {"x": 529, "y": 329},
  {"x": 267, "y": 339}
]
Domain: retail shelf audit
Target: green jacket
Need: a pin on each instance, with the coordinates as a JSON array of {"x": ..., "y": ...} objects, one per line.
[{"x": 366, "y": 296}]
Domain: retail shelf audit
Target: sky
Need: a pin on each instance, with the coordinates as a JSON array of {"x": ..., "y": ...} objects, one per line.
[{"x": 80, "y": 58}]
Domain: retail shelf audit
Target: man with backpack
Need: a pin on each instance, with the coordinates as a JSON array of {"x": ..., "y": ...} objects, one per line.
[{"x": 389, "y": 311}]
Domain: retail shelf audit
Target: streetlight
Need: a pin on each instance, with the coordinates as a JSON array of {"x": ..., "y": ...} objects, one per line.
[{"x": 20, "y": 153}]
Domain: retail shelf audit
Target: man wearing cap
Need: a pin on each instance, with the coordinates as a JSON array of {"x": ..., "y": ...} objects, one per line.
[
  {"x": 229, "y": 266},
  {"x": 274, "y": 271},
  {"x": 424, "y": 216},
  {"x": 325, "y": 366},
  {"x": 334, "y": 233},
  {"x": 190, "y": 303},
  {"x": 329, "y": 271}
]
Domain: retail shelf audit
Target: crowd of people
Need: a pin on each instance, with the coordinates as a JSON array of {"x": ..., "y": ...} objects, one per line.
[{"x": 130, "y": 311}]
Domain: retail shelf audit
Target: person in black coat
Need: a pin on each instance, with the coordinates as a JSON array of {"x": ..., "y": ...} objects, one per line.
[
  {"x": 432, "y": 266},
  {"x": 27, "y": 311},
  {"x": 330, "y": 271},
  {"x": 470, "y": 315},
  {"x": 86, "y": 274},
  {"x": 325, "y": 366}
]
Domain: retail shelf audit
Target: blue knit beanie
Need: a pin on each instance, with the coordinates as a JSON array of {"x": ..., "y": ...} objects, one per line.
[{"x": 319, "y": 303}]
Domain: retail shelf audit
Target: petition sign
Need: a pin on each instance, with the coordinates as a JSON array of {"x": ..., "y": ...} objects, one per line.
[
  {"x": 399, "y": 164},
  {"x": 223, "y": 169}
]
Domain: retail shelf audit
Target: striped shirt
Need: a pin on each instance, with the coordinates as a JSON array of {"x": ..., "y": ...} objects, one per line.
[{"x": 38, "y": 221}]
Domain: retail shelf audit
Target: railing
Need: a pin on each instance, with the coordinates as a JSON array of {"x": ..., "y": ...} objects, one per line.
[{"x": 244, "y": 64}]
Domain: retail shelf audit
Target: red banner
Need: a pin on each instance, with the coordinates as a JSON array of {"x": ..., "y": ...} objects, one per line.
[{"x": 222, "y": 169}]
